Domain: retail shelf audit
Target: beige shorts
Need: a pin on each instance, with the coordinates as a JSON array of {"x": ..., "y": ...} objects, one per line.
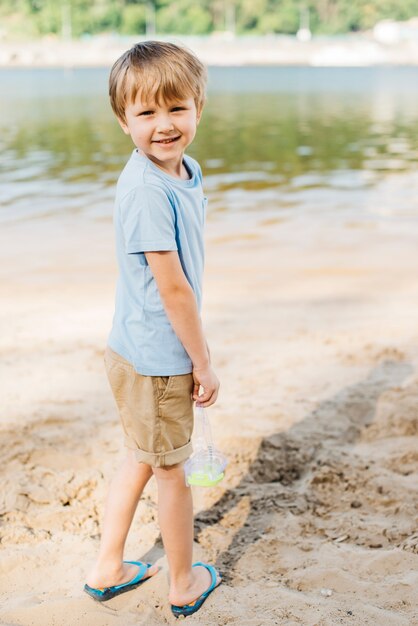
[{"x": 156, "y": 411}]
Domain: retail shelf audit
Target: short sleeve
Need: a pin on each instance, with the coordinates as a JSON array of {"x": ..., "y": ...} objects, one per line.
[{"x": 148, "y": 220}]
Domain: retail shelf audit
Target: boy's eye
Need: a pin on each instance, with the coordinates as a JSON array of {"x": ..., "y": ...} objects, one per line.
[{"x": 150, "y": 112}]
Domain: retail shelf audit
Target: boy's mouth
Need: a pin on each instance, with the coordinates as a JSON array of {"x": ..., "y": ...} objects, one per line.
[{"x": 168, "y": 140}]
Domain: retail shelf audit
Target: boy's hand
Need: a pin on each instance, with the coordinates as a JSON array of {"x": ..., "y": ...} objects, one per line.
[{"x": 205, "y": 377}]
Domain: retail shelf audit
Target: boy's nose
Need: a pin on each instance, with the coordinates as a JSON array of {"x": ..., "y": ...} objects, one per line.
[{"x": 164, "y": 124}]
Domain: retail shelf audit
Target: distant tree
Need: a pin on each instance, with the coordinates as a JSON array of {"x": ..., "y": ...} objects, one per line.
[
  {"x": 259, "y": 17},
  {"x": 283, "y": 18},
  {"x": 134, "y": 19},
  {"x": 183, "y": 16}
]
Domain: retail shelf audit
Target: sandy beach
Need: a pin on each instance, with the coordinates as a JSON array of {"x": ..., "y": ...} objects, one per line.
[
  {"x": 313, "y": 333},
  {"x": 219, "y": 49}
]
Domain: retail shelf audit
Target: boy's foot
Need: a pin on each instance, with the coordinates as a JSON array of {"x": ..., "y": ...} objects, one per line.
[
  {"x": 204, "y": 576},
  {"x": 113, "y": 577}
]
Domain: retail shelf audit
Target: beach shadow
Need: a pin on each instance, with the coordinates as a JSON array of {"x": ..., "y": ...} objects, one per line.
[{"x": 275, "y": 479}]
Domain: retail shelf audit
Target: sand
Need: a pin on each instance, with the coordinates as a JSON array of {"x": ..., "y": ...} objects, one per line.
[
  {"x": 354, "y": 50},
  {"x": 311, "y": 322}
]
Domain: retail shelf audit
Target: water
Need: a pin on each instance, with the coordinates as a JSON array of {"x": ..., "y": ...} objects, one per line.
[{"x": 276, "y": 139}]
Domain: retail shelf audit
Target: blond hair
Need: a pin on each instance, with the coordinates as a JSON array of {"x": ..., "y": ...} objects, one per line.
[{"x": 160, "y": 71}]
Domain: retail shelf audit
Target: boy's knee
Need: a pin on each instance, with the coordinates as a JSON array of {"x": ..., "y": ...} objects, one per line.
[
  {"x": 137, "y": 466},
  {"x": 169, "y": 472}
]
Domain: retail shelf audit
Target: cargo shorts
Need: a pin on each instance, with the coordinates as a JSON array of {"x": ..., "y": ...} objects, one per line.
[{"x": 156, "y": 412}]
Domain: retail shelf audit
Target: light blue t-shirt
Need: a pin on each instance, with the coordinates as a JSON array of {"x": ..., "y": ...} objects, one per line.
[{"x": 154, "y": 211}]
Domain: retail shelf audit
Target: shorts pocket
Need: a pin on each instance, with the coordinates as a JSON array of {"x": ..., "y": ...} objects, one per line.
[
  {"x": 176, "y": 413},
  {"x": 177, "y": 397},
  {"x": 164, "y": 384},
  {"x": 121, "y": 379}
]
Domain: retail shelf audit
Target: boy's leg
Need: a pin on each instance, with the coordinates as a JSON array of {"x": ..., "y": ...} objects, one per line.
[
  {"x": 123, "y": 497},
  {"x": 175, "y": 512}
]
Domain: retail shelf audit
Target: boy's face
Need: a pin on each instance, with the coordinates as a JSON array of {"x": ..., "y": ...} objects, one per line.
[{"x": 162, "y": 132}]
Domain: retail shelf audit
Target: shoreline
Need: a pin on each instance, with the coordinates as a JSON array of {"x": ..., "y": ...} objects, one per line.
[{"x": 101, "y": 51}]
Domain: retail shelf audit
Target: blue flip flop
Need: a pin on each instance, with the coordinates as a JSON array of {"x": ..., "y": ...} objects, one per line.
[
  {"x": 107, "y": 593},
  {"x": 189, "y": 609}
]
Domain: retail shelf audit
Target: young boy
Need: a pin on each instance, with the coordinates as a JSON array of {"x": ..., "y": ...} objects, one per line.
[{"x": 157, "y": 357}]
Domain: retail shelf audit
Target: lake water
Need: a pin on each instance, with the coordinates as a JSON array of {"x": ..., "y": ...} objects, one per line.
[{"x": 276, "y": 139}]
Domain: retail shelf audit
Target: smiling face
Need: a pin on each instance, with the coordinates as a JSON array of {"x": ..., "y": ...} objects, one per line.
[{"x": 162, "y": 131}]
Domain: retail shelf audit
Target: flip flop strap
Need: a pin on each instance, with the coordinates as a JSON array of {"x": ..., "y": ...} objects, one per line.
[
  {"x": 142, "y": 569},
  {"x": 212, "y": 572}
]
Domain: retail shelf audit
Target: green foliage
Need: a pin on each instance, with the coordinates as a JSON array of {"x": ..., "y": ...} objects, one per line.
[
  {"x": 286, "y": 20},
  {"x": 133, "y": 20},
  {"x": 183, "y": 16},
  {"x": 257, "y": 17}
]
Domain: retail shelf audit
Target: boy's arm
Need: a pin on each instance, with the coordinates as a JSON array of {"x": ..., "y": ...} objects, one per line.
[{"x": 180, "y": 305}]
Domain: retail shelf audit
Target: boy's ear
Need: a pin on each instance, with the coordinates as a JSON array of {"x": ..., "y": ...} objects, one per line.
[{"x": 123, "y": 126}]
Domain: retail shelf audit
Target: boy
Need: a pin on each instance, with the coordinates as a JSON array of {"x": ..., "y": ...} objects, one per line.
[{"x": 157, "y": 357}]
